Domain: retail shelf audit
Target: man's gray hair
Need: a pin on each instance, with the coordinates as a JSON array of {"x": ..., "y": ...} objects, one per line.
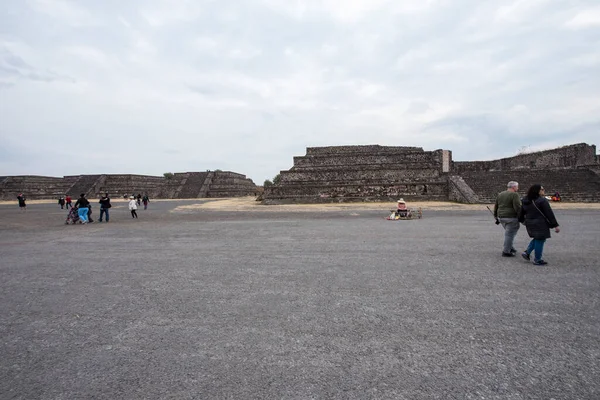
[{"x": 512, "y": 184}]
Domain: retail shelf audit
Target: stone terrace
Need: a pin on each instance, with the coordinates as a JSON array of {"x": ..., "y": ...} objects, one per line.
[
  {"x": 347, "y": 173},
  {"x": 230, "y": 184},
  {"x": 36, "y": 187},
  {"x": 383, "y": 173},
  {"x": 118, "y": 185},
  {"x": 181, "y": 185},
  {"x": 574, "y": 185},
  {"x": 572, "y": 170}
]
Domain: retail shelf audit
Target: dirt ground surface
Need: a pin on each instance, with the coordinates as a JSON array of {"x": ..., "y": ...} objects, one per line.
[
  {"x": 230, "y": 299},
  {"x": 250, "y": 204}
]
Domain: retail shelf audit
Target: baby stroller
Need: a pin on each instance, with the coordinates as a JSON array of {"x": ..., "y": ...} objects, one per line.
[{"x": 72, "y": 217}]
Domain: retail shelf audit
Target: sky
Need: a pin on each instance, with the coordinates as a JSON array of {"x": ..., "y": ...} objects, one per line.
[{"x": 154, "y": 86}]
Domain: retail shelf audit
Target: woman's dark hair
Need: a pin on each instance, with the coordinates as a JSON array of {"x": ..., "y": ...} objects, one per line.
[{"x": 534, "y": 192}]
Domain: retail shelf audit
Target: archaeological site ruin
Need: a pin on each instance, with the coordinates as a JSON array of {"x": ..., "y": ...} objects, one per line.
[
  {"x": 352, "y": 173},
  {"x": 386, "y": 173},
  {"x": 185, "y": 185}
]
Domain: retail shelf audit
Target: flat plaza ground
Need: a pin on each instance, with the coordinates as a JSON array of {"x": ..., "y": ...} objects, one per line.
[{"x": 227, "y": 299}]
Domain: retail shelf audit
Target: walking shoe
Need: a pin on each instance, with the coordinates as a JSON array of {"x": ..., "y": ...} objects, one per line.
[
  {"x": 526, "y": 256},
  {"x": 513, "y": 250},
  {"x": 540, "y": 262},
  {"x": 507, "y": 254}
]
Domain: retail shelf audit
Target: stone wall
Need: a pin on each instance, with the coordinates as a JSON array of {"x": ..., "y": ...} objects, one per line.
[
  {"x": 181, "y": 185},
  {"x": 230, "y": 184},
  {"x": 569, "y": 170},
  {"x": 362, "y": 173},
  {"x": 119, "y": 185},
  {"x": 574, "y": 185},
  {"x": 383, "y": 173},
  {"x": 563, "y": 157},
  {"x": 35, "y": 187}
]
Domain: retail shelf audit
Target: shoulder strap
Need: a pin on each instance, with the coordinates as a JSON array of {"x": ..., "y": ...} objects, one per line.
[{"x": 544, "y": 215}]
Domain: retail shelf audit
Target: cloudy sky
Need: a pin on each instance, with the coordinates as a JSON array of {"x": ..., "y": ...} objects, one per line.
[{"x": 153, "y": 86}]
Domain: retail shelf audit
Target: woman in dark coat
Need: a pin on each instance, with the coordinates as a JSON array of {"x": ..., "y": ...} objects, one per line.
[{"x": 539, "y": 219}]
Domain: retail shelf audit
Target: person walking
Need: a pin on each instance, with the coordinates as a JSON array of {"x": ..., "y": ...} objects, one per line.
[
  {"x": 506, "y": 212},
  {"x": 139, "y": 199},
  {"x": 82, "y": 208},
  {"x": 69, "y": 201},
  {"x": 538, "y": 217},
  {"x": 21, "y": 199},
  {"x": 104, "y": 206},
  {"x": 145, "y": 200},
  {"x": 133, "y": 207},
  {"x": 61, "y": 202}
]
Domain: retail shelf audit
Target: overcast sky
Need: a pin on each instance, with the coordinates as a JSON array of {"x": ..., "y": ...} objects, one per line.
[{"x": 153, "y": 86}]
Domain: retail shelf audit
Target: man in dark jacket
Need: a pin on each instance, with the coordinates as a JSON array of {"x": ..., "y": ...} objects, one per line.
[
  {"x": 82, "y": 208},
  {"x": 506, "y": 211},
  {"x": 539, "y": 219},
  {"x": 104, "y": 206}
]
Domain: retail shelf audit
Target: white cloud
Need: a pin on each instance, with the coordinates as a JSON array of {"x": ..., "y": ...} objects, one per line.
[
  {"x": 194, "y": 85},
  {"x": 160, "y": 13},
  {"x": 65, "y": 11},
  {"x": 587, "y": 18}
]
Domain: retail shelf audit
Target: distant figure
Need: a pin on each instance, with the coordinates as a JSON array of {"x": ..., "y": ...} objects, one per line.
[
  {"x": 145, "y": 200},
  {"x": 21, "y": 198},
  {"x": 104, "y": 206},
  {"x": 139, "y": 199},
  {"x": 506, "y": 212},
  {"x": 556, "y": 197},
  {"x": 61, "y": 202},
  {"x": 402, "y": 210},
  {"x": 69, "y": 201},
  {"x": 538, "y": 217},
  {"x": 82, "y": 208},
  {"x": 132, "y": 207}
]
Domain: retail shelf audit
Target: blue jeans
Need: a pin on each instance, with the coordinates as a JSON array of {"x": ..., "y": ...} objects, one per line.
[
  {"x": 538, "y": 246},
  {"x": 511, "y": 227},
  {"x": 103, "y": 211},
  {"x": 82, "y": 212}
]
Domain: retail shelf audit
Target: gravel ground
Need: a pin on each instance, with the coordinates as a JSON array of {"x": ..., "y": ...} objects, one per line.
[{"x": 193, "y": 303}]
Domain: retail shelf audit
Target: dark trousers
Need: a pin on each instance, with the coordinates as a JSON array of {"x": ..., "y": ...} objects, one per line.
[
  {"x": 102, "y": 212},
  {"x": 133, "y": 214}
]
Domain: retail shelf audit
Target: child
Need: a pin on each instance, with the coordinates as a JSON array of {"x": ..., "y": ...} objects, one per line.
[{"x": 132, "y": 207}]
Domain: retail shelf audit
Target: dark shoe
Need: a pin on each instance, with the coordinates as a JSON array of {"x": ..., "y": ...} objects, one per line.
[
  {"x": 513, "y": 250},
  {"x": 540, "y": 262},
  {"x": 526, "y": 256},
  {"x": 507, "y": 254}
]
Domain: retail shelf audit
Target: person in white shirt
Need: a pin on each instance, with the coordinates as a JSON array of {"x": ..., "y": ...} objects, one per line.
[{"x": 132, "y": 207}]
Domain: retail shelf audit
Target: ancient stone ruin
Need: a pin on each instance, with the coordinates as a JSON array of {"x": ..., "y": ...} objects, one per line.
[
  {"x": 386, "y": 173},
  {"x": 185, "y": 185}
]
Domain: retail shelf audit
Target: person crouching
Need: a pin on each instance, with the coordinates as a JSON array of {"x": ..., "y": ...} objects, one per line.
[{"x": 82, "y": 208}]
